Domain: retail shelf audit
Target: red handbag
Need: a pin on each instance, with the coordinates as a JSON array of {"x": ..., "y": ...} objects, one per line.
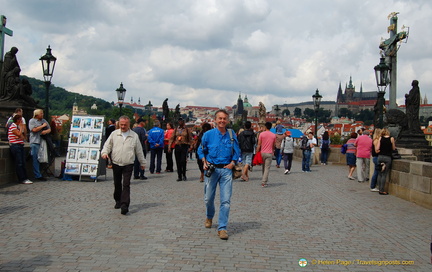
[{"x": 257, "y": 159}]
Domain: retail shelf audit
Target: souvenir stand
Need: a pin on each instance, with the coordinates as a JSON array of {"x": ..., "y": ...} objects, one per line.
[{"x": 85, "y": 143}]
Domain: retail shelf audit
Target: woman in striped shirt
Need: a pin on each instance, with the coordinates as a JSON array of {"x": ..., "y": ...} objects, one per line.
[
  {"x": 351, "y": 155},
  {"x": 16, "y": 143}
]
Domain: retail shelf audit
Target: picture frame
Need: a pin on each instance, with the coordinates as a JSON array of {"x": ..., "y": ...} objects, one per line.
[
  {"x": 85, "y": 139},
  {"x": 76, "y": 123},
  {"x": 93, "y": 156},
  {"x": 96, "y": 139},
  {"x": 98, "y": 124},
  {"x": 73, "y": 168},
  {"x": 72, "y": 154},
  {"x": 74, "y": 138},
  {"x": 82, "y": 154},
  {"x": 87, "y": 123}
]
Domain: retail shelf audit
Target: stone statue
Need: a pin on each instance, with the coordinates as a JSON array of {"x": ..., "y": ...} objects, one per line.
[
  {"x": 165, "y": 108},
  {"x": 8, "y": 74},
  {"x": 11, "y": 87},
  {"x": 262, "y": 113},
  {"x": 412, "y": 103},
  {"x": 177, "y": 113}
]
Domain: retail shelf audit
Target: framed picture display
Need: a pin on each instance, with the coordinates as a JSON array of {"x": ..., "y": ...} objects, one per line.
[
  {"x": 74, "y": 138},
  {"x": 73, "y": 168},
  {"x": 82, "y": 155},
  {"x": 85, "y": 139},
  {"x": 93, "y": 156},
  {"x": 72, "y": 154},
  {"x": 87, "y": 123},
  {"x": 96, "y": 139},
  {"x": 76, "y": 123}
]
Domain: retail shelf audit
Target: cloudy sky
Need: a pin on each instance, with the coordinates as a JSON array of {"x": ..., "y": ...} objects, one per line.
[{"x": 206, "y": 52}]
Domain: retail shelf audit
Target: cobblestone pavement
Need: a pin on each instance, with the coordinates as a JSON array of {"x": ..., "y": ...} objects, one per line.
[{"x": 334, "y": 223}]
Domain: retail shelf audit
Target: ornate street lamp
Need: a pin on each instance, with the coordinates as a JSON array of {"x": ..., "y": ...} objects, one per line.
[
  {"x": 48, "y": 64},
  {"x": 382, "y": 72},
  {"x": 121, "y": 92},
  {"x": 316, "y": 100}
]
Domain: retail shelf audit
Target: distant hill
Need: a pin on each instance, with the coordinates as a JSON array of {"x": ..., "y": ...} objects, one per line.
[{"x": 61, "y": 100}]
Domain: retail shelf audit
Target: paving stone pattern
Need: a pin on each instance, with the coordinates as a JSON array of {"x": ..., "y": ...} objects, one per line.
[{"x": 320, "y": 216}]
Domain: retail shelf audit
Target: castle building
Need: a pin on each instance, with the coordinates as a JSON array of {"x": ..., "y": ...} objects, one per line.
[{"x": 355, "y": 101}]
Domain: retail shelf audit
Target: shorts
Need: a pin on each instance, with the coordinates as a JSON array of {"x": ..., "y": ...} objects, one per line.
[
  {"x": 247, "y": 158},
  {"x": 351, "y": 159}
]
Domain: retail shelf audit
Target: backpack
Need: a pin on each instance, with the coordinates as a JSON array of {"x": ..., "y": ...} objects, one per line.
[
  {"x": 325, "y": 144},
  {"x": 304, "y": 144},
  {"x": 247, "y": 141},
  {"x": 344, "y": 148}
]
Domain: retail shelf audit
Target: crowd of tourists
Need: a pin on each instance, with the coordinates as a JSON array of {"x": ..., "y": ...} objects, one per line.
[{"x": 217, "y": 150}]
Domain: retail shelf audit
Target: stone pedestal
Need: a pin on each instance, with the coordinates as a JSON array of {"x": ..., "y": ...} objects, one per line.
[
  {"x": 7, "y": 108},
  {"x": 415, "y": 154}
]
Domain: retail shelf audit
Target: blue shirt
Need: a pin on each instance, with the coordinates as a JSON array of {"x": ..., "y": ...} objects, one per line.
[
  {"x": 156, "y": 136},
  {"x": 218, "y": 148}
]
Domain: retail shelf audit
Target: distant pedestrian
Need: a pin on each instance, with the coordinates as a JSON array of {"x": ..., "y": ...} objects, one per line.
[
  {"x": 384, "y": 148},
  {"x": 325, "y": 147},
  {"x": 306, "y": 153},
  {"x": 364, "y": 149},
  {"x": 247, "y": 141},
  {"x": 111, "y": 127},
  {"x": 123, "y": 145},
  {"x": 204, "y": 128},
  {"x": 183, "y": 140},
  {"x": 287, "y": 149},
  {"x": 168, "y": 151},
  {"x": 142, "y": 135},
  {"x": 351, "y": 155},
  {"x": 376, "y": 137},
  {"x": 312, "y": 143},
  {"x": 156, "y": 140},
  {"x": 16, "y": 137},
  {"x": 266, "y": 144},
  {"x": 279, "y": 138},
  {"x": 219, "y": 153}
]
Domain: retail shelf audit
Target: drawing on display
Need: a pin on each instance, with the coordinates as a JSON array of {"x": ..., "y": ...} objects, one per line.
[{"x": 73, "y": 168}]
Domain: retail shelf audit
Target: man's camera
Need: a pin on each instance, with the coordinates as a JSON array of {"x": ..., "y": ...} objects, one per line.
[{"x": 210, "y": 169}]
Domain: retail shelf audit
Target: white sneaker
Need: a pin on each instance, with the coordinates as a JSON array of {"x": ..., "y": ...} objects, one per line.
[
  {"x": 27, "y": 181},
  {"x": 286, "y": 172},
  {"x": 375, "y": 190}
]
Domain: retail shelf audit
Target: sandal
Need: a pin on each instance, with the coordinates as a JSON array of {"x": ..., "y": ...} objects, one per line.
[{"x": 383, "y": 193}]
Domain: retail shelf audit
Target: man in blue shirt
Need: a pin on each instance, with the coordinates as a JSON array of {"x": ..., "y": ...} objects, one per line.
[
  {"x": 156, "y": 141},
  {"x": 219, "y": 154},
  {"x": 142, "y": 135}
]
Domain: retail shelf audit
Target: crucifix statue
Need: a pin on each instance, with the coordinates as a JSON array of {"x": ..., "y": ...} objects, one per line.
[{"x": 3, "y": 31}]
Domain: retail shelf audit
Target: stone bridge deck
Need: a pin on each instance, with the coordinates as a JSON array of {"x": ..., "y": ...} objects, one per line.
[{"x": 334, "y": 223}]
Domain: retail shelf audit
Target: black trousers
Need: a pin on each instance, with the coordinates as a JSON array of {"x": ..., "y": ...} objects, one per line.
[
  {"x": 169, "y": 159},
  {"x": 122, "y": 189},
  {"x": 181, "y": 153}
]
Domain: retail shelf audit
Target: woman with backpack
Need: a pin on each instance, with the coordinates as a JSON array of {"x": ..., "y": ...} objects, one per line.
[
  {"x": 325, "y": 147},
  {"x": 287, "y": 148}
]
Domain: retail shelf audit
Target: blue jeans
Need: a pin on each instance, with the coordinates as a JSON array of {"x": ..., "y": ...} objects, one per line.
[
  {"x": 223, "y": 176},
  {"x": 17, "y": 151},
  {"x": 306, "y": 160},
  {"x": 156, "y": 154},
  {"x": 382, "y": 175},
  {"x": 278, "y": 156},
  {"x": 34, "y": 152},
  {"x": 375, "y": 174}
]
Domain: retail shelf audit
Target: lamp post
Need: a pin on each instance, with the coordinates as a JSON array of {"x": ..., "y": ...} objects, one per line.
[
  {"x": 382, "y": 80},
  {"x": 120, "y": 96},
  {"x": 48, "y": 63},
  {"x": 316, "y": 100}
]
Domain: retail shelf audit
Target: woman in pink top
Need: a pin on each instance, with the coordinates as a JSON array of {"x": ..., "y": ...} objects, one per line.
[{"x": 266, "y": 144}]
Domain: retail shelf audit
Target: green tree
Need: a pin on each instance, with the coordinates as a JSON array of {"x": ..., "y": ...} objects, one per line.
[
  {"x": 344, "y": 112},
  {"x": 286, "y": 112},
  {"x": 297, "y": 112}
]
